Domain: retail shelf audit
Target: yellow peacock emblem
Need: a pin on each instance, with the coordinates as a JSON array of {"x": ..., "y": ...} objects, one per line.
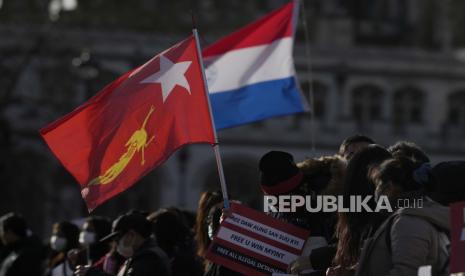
[{"x": 137, "y": 143}]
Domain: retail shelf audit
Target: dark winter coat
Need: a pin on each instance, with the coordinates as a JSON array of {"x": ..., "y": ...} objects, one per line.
[
  {"x": 24, "y": 257},
  {"x": 148, "y": 260}
]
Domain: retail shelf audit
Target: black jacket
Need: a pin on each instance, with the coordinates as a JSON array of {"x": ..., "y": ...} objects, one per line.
[{"x": 24, "y": 257}]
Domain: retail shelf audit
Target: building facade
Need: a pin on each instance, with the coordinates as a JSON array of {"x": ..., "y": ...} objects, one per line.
[{"x": 386, "y": 69}]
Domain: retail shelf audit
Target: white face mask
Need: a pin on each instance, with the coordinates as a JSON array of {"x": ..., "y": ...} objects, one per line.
[
  {"x": 57, "y": 243},
  {"x": 124, "y": 248},
  {"x": 87, "y": 238},
  {"x": 210, "y": 231}
]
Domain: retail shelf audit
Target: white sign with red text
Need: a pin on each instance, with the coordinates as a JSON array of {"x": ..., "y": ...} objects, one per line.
[{"x": 253, "y": 243}]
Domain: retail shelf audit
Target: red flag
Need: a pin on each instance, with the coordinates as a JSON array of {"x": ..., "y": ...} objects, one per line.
[{"x": 134, "y": 124}]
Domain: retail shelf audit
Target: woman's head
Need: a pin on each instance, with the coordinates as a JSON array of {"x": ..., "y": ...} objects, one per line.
[
  {"x": 409, "y": 150},
  {"x": 170, "y": 229},
  {"x": 94, "y": 229},
  {"x": 13, "y": 227},
  {"x": 65, "y": 236},
  {"x": 207, "y": 200},
  {"x": 401, "y": 176},
  {"x": 363, "y": 164},
  {"x": 351, "y": 145},
  {"x": 358, "y": 182},
  {"x": 213, "y": 219},
  {"x": 279, "y": 174},
  {"x": 323, "y": 175}
]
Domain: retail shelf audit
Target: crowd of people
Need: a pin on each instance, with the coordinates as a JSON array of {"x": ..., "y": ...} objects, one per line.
[{"x": 174, "y": 242}]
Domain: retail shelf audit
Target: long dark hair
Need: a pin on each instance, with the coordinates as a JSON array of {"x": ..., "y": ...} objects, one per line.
[
  {"x": 101, "y": 227},
  {"x": 71, "y": 233},
  {"x": 207, "y": 200},
  {"x": 351, "y": 226}
]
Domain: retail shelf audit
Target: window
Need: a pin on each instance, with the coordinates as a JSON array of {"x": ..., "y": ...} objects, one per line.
[
  {"x": 367, "y": 105},
  {"x": 456, "y": 113},
  {"x": 407, "y": 107},
  {"x": 379, "y": 21}
]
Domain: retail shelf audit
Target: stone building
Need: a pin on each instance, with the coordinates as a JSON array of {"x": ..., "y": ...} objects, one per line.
[{"x": 391, "y": 70}]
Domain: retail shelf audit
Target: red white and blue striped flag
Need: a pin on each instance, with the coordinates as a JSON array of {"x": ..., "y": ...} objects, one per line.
[{"x": 251, "y": 73}]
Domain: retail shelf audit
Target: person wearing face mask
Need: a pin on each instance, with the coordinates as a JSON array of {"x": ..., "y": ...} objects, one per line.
[
  {"x": 213, "y": 224},
  {"x": 202, "y": 240},
  {"x": 415, "y": 234},
  {"x": 173, "y": 235},
  {"x": 132, "y": 234},
  {"x": 92, "y": 251},
  {"x": 112, "y": 262},
  {"x": 22, "y": 253},
  {"x": 65, "y": 236}
]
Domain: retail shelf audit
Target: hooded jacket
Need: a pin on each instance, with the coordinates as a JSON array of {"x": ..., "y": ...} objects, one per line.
[{"x": 418, "y": 237}]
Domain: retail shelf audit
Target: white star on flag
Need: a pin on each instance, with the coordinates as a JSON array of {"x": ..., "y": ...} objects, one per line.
[{"x": 170, "y": 75}]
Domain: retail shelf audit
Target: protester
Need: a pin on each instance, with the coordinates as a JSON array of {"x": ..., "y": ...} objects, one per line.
[
  {"x": 207, "y": 201},
  {"x": 22, "y": 253},
  {"x": 94, "y": 229},
  {"x": 312, "y": 177},
  {"x": 353, "y": 144},
  {"x": 173, "y": 235},
  {"x": 213, "y": 224},
  {"x": 326, "y": 177},
  {"x": 91, "y": 250},
  {"x": 65, "y": 237},
  {"x": 354, "y": 227},
  {"x": 411, "y": 237},
  {"x": 190, "y": 218},
  {"x": 111, "y": 263},
  {"x": 132, "y": 233},
  {"x": 448, "y": 178},
  {"x": 348, "y": 243},
  {"x": 409, "y": 150},
  {"x": 279, "y": 175}
]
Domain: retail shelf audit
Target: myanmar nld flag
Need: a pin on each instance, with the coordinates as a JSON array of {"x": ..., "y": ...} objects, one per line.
[
  {"x": 251, "y": 73},
  {"x": 134, "y": 124}
]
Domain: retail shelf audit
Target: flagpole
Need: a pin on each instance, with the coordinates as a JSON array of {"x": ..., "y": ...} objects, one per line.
[
  {"x": 216, "y": 146},
  {"x": 309, "y": 76}
]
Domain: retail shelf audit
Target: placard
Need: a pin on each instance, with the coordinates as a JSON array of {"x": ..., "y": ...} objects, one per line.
[
  {"x": 253, "y": 243},
  {"x": 457, "y": 254}
]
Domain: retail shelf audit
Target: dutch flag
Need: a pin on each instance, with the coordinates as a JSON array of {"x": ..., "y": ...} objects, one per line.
[{"x": 250, "y": 73}]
